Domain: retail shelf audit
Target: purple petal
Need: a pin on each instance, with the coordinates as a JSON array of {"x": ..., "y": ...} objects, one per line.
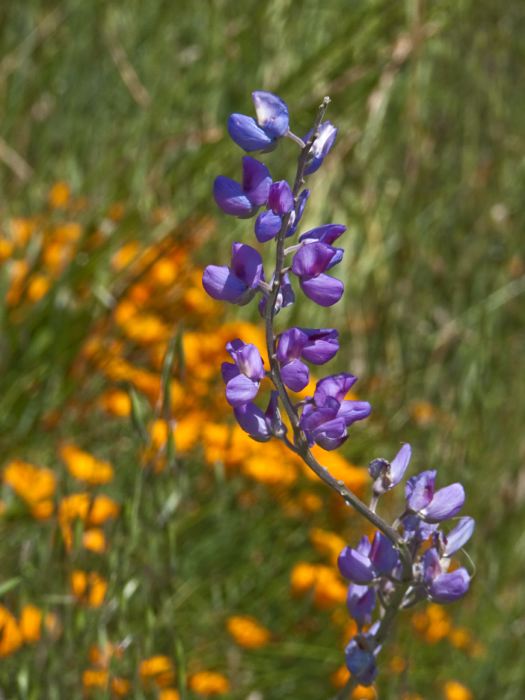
[
  {"x": 449, "y": 587},
  {"x": 399, "y": 464},
  {"x": 312, "y": 417},
  {"x": 222, "y": 284},
  {"x": 256, "y": 181},
  {"x": 361, "y": 601},
  {"x": 364, "y": 546},
  {"x": 312, "y": 259},
  {"x": 247, "y": 264},
  {"x": 291, "y": 344},
  {"x": 231, "y": 198},
  {"x": 272, "y": 416},
  {"x": 431, "y": 566},
  {"x": 241, "y": 389},
  {"x": 272, "y": 113},
  {"x": 248, "y": 359},
  {"x": 252, "y": 421},
  {"x": 321, "y": 345},
  {"x": 383, "y": 554},
  {"x": 446, "y": 503},
  {"x": 248, "y": 134},
  {"x": 355, "y": 566},
  {"x": 419, "y": 490},
  {"x": 295, "y": 375},
  {"x": 280, "y": 198},
  {"x": 459, "y": 535},
  {"x": 323, "y": 289},
  {"x": 337, "y": 256},
  {"x": 361, "y": 663},
  {"x": 331, "y": 434},
  {"x": 352, "y": 411},
  {"x": 267, "y": 226},
  {"x": 321, "y": 146},
  {"x": 335, "y": 386},
  {"x": 325, "y": 234},
  {"x": 229, "y": 371}
]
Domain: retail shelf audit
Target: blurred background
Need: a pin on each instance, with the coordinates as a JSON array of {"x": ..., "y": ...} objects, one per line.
[{"x": 148, "y": 548}]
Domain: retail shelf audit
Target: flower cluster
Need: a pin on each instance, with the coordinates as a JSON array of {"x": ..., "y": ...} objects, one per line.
[
  {"x": 326, "y": 416},
  {"x": 404, "y": 562},
  {"x": 375, "y": 568}
]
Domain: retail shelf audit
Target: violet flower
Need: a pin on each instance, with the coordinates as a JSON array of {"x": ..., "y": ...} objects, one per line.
[
  {"x": 310, "y": 263},
  {"x": 244, "y": 199},
  {"x": 244, "y": 375},
  {"x": 321, "y": 146},
  {"x": 326, "y": 417},
  {"x": 280, "y": 203},
  {"x": 361, "y": 601},
  {"x": 433, "y": 506},
  {"x": 314, "y": 345},
  {"x": 360, "y": 656},
  {"x": 368, "y": 560},
  {"x": 237, "y": 283},
  {"x": 261, "y": 426},
  {"x": 443, "y": 587},
  {"x": 285, "y": 296},
  {"x": 387, "y": 475},
  {"x": 272, "y": 123}
]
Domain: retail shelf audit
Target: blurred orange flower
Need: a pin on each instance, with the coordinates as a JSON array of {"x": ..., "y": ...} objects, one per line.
[
  {"x": 247, "y": 632},
  {"x": 85, "y": 467},
  {"x": 88, "y": 587},
  {"x": 209, "y": 683}
]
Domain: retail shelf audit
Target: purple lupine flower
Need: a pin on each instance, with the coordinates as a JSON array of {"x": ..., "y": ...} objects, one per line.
[
  {"x": 261, "y": 426},
  {"x": 280, "y": 202},
  {"x": 321, "y": 146},
  {"x": 433, "y": 506},
  {"x": 237, "y": 283},
  {"x": 310, "y": 263},
  {"x": 386, "y": 475},
  {"x": 244, "y": 375},
  {"x": 459, "y": 535},
  {"x": 368, "y": 560},
  {"x": 416, "y": 530},
  {"x": 272, "y": 123},
  {"x": 285, "y": 296},
  {"x": 361, "y": 601},
  {"x": 441, "y": 586},
  {"x": 244, "y": 199},
  {"x": 327, "y": 416},
  {"x": 360, "y": 655},
  {"x": 314, "y": 345},
  {"x": 328, "y": 233}
]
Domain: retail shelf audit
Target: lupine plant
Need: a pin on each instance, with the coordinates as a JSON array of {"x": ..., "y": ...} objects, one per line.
[{"x": 408, "y": 560}]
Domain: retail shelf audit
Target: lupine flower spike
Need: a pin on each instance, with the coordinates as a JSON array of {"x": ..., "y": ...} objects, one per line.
[{"x": 404, "y": 562}]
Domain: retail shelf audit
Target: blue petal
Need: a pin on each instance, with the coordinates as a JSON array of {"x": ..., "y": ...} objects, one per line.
[
  {"x": 241, "y": 389},
  {"x": 248, "y": 134},
  {"x": 231, "y": 198},
  {"x": 272, "y": 113},
  {"x": 222, "y": 284},
  {"x": 267, "y": 226},
  {"x": 355, "y": 566},
  {"x": 252, "y": 421}
]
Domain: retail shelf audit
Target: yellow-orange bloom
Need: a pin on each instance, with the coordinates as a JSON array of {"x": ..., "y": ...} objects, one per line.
[
  {"x": 95, "y": 678},
  {"x": 37, "y": 286},
  {"x": 169, "y": 694},
  {"x": 120, "y": 686},
  {"x": 85, "y": 467},
  {"x": 59, "y": 195},
  {"x": 209, "y": 683},
  {"x": 30, "y": 623},
  {"x": 10, "y": 636},
  {"x": 247, "y": 632},
  {"x": 94, "y": 540},
  {"x": 328, "y": 588},
  {"x": 32, "y": 484},
  {"x": 340, "y": 677},
  {"x": 88, "y": 587},
  {"x": 362, "y": 692},
  {"x": 116, "y": 402},
  {"x": 158, "y": 669},
  {"x": 453, "y": 690}
]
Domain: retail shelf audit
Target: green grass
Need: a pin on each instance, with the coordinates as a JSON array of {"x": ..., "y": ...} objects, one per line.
[{"x": 428, "y": 174}]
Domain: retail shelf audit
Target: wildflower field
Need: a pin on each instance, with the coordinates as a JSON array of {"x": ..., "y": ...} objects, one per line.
[{"x": 149, "y": 548}]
